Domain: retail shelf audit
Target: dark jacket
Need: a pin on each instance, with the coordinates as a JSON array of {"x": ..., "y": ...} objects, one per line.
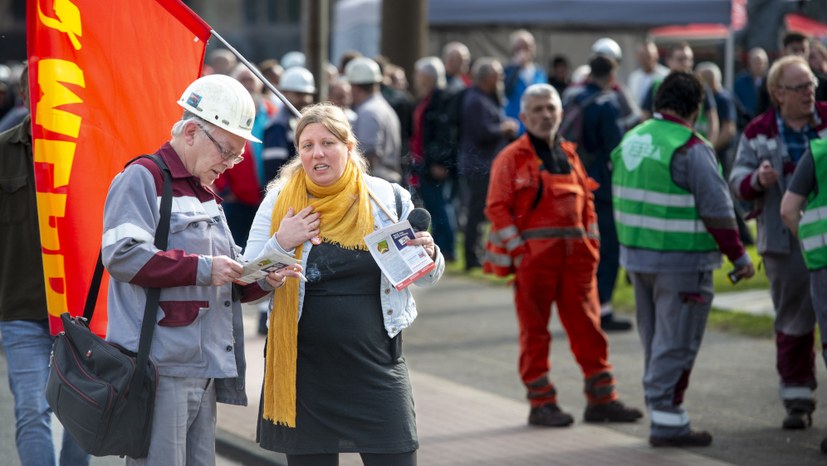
[
  {"x": 480, "y": 137},
  {"x": 22, "y": 290},
  {"x": 601, "y": 134},
  {"x": 440, "y": 130}
]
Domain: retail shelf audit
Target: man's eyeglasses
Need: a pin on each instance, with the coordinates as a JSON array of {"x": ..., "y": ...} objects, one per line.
[
  {"x": 801, "y": 88},
  {"x": 225, "y": 154}
]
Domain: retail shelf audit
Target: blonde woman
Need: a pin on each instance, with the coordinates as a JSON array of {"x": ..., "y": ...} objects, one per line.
[{"x": 335, "y": 378}]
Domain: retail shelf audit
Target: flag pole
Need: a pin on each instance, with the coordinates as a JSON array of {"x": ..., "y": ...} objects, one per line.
[{"x": 253, "y": 69}]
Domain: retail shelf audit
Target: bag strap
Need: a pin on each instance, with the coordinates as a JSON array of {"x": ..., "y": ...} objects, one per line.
[
  {"x": 397, "y": 197},
  {"x": 94, "y": 288},
  {"x": 97, "y": 276},
  {"x": 153, "y": 295}
]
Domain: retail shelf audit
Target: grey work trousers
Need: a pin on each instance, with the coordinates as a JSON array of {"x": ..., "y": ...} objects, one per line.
[
  {"x": 183, "y": 424},
  {"x": 794, "y": 322},
  {"x": 672, "y": 309}
]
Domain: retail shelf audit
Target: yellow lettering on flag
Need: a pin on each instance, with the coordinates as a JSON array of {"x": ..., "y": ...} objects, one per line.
[
  {"x": 55, "y": 208},
  {"x": 58, "y": 154},
  {"x": 67, "y": 21},
  {"x": 51, "y": 73},
  {"x": 55, "y": 275}
]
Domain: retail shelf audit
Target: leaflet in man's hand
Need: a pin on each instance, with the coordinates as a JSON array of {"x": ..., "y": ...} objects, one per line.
[
  {"x": 270, "y": 261},
  {"x": 401, "y": 263}
]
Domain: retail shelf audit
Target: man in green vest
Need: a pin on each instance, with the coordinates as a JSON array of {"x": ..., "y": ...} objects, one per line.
[
  {"x": 809, "y": 178},
  {"x": 674, "y": 217}
]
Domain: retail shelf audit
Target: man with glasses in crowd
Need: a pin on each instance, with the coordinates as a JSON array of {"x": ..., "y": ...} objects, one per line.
[
  {"x": 198, "y": 345},
  {"x": 768, "y": 152}
]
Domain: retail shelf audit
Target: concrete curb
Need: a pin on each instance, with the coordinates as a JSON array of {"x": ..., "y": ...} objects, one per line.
[{"x": 244, "y": 451}]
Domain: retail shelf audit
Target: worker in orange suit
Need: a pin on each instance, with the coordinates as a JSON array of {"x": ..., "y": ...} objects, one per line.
[{"x": 544, "y": 230}]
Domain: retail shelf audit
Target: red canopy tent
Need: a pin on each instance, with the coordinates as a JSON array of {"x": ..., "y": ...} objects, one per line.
[
  {"x": 806, "y": 25},
  {"x": 710, "y": 32}
]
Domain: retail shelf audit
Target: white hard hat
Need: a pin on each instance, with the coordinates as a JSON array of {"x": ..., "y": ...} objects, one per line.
[
  {"x": 291, "y": 59},
  {"x": 608, "y": 47},
  {"x": 298, "y": 79},
  {"x": 223, "y": 102},
  {"x": 363, "y": 70}
]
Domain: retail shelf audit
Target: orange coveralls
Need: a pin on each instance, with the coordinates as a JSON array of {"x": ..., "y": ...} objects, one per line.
[{"x": 544, "y": 229}]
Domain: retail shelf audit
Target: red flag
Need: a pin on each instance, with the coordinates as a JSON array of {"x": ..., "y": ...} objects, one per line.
[{"x": 104, "y": 79}]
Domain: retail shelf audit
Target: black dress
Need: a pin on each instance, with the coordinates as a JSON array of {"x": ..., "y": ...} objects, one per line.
[{"x": 352, "y": 394}]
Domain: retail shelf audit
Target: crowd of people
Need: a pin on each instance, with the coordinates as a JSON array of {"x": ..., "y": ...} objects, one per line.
[{"x": 578, "y": 175}]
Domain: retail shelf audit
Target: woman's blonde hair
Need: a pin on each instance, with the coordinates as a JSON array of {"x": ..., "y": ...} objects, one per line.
[{"x": 334, "y": 120}]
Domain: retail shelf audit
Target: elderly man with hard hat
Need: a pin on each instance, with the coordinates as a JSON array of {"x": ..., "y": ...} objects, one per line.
[
  {"x": 377, "y": 126},
  {"x": 198, "y": 345}
]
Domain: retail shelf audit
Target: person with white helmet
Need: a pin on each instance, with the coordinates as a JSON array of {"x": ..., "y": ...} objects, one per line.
[
  {"x": 377, "y": 126},
  {"x": 198, "y": 345},
  {"x": 607, "y": 47},
  {"x": 611, "y": 111},
  {"x": 599, "y": 131},
  {"x": 293, "y": 58},
  {"x": 298, "y": 86}
]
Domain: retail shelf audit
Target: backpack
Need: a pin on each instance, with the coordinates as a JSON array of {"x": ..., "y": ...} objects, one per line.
[{"x": 571, "y": 128}]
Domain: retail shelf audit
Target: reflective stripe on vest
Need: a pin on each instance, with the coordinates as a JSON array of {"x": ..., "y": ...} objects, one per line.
[
  {"x": 554, "y": 232},
  {"x": 812, "y": 230},
  {"x": 651, "y": 211}
]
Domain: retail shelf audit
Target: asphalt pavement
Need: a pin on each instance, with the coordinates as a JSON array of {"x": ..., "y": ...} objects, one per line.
[{"x": 471, "y": 410}]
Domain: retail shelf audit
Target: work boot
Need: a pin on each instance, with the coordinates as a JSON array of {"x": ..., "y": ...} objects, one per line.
[
  {"x": 824, "y": 446},
  {"x": 695, "y": 438},
  {"x": 613, "y": 411},
  {"x": 549, "y": 415},
  {"x": 609, "y": 323},
  {"x": 799, "y": 413}
]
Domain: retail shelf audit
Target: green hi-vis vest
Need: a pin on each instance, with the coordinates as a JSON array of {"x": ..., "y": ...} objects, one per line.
[
  {"x": 651, "y": 211},
  {"x": 812, "y": 230}
]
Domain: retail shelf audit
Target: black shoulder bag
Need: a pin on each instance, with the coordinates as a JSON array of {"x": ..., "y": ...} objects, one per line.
[{"x": 103, "y": 394}]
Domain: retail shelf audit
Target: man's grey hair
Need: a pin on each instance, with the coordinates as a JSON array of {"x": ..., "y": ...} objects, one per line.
[
  {"x": 538, "y": 90},
  {"x": 458, "y": 47},
  {"x": 433, "y": 67},
  {"x": 709, "y": 67},
  {"x": 521, "y": 34},
  {"x": 178, "y": 127},
  {"x": 483, "y": 68}
]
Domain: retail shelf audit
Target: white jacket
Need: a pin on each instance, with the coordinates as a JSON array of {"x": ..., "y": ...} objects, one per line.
[{"x": 398, "y": 307}]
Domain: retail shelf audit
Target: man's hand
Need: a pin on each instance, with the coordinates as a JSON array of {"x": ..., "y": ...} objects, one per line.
[
  {"x": 438, "y": 172},
  {"x": 767, "y": 176},
  {"x": 509, "y": 128},
  {"x": 225, "y": 270},
  {"x": 745, "y": 271}
]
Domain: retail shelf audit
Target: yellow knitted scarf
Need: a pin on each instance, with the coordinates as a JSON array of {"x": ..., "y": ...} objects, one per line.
[{"x": 346, "y": 217}]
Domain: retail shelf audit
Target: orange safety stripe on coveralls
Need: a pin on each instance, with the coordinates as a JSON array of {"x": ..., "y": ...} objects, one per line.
[{"x": 553, "y": 249}]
